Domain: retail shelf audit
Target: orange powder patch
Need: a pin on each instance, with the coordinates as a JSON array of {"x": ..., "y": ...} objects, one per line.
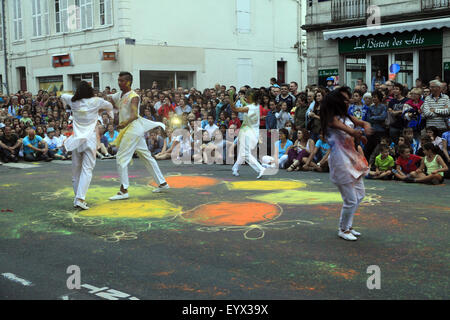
[
  {"x": 232, "y": 214},
  {"x": 192, "y": 182}
]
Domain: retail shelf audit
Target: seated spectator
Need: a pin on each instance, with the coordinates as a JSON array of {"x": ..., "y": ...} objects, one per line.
[
  {"x": 26, "y": 119},
  {"x": 384, "y": 141},
  {"x": 10, "y": 145},
  {"x": 211, "y": 127},
  {"x": 446, "y": 145},
  {"x": 402, "y": 140},
  {"x": 408, "y": 133},
  {"x": 54, "y": 147},
  {"x": 35, "y": 148},
  {"x": 431, "y": 169},
  {"x": 235, "y": 120},
  {"x": 111, "y": 135},
  {"x": 433, "y": 133},
  {"x": 222, "y": 120},
  {"x": 406, "y": 163},
  {"x": 155, "y": 143},
  {"x": 102, "y": 144},
  {"x": 384, "y": 164},
  {"x": 301, "y": 107},
  {"x": 169, "y": 143},
  {"x": 183, "y": 107},
  {"x": 167, "y": 107},
  {"x": 300, "y": 152},
  {"x": 320, "y": 156},
  {"x": 282, "y": 147}
]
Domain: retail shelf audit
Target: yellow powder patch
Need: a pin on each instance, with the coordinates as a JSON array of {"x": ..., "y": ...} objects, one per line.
[
  {"x": 295, "y": 197},
  {"x": 157, "y": 209},
  {"x": 266, "y": 185}
]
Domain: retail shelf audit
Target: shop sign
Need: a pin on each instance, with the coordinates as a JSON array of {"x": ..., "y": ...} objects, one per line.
[{"x": 405, "y": 40}]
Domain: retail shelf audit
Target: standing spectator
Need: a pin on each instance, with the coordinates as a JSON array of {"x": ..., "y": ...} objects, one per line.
[
  {"x": 15, "y": 107},
  {"x": 183, "y": 107},
  {"x": 446, "y": 145},
  {"x": 376, "y": 116},
  {"x": 395, "y": 110},
  {"x": 293, "y": 89},
  {"x": 10, "y": 145},
  {"x": 378, "y": 77},
  {"x": 435, "y": 108},
  {"x": 282, "y": 115},
  {"x": 271, "y": 118},
  {"x": 26, "y": 119},
  {"x": 35, "y": 148},
  {"x": 358, "y": 109},
  {"x": 286, "y": 96},
  {"x": 160, "y": 102},
  {"x": 301, "y": 107},
  {"x": 412, "y": 110},
  {"x": 264, "y": 110}
]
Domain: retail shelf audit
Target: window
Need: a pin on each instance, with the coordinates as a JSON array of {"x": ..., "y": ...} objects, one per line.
[
  {"x": 61, "y": 15},
  {"x": 36, "y": 15},
  {"x": 355, "y": 67},
  {"x": 84, "y": 14},
  {"x": 17, "y": 20},
  {"x": 106, "y": 12},
  {"x": 243, "y": 16}
]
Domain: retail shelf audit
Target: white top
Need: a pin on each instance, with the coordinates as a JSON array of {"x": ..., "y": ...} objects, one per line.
[
  {"x": 85, "y": 116},
  {"x": 249, "y": 131},
  {"x": 346, "y": 164}
]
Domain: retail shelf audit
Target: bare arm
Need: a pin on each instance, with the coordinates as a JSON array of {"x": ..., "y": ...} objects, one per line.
[
  {"x": 233, "y": 105},
  {"x": 443, "y": 165}
]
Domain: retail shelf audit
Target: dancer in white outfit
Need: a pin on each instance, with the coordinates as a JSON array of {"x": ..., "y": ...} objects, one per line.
[
  {"x": 248, "y": 134},
  {"x": 347, "y": 166},
  {"x": 131, "y": 138},
  {"x": 83, "y": 143}
]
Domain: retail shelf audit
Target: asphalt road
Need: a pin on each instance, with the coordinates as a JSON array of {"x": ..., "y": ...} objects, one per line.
[{"x": 217, "y": 237}]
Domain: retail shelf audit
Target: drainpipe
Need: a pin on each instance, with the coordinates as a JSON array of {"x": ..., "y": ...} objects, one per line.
[{"x": 5, "y": 55}]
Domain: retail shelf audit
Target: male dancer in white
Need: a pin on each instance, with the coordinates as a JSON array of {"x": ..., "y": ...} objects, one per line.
[
  {"x": 83, "y": 144},
  {"x": 248, "y": 134},
  {"x": 131, "y": 138}
]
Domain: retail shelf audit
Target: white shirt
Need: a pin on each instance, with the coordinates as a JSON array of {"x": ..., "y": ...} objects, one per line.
[
  {"x": 211, "y": 129},
  {"x": 85, "y": 116}
]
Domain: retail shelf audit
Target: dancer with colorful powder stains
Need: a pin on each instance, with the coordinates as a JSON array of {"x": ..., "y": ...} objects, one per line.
[
  {"x": 83, "y": 143},
  {"x": 348, "y": 167},
  {"x": 249, "y": 132},
  {"x": 131, "y": 137}
]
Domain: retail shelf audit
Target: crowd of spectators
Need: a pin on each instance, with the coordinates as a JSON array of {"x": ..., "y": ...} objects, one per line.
[{"x": 406, "y": 121}]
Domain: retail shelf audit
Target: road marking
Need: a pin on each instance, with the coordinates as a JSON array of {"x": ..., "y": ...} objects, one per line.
[{"x": 14, "y": 278}]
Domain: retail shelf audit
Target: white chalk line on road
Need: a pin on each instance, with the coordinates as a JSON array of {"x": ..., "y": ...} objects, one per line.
[{"x": 14, "y": 278}]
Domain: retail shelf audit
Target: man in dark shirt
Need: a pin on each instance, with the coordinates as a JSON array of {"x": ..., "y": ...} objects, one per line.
[
  {"x": 395, "y": 109},
  {"x": 10, "y": 146},
  {"x": 286, "y": 96}
]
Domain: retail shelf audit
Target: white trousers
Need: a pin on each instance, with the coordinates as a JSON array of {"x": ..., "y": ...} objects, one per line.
[
  {"x": 130, "y": 144},
  {"x": 245, "y": 155},
  {"x": 352, "y": 195},
  {"x": 83, "y": 164}
]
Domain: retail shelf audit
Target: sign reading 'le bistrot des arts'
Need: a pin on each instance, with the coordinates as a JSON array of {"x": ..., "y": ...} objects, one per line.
[{"x": 391, "y": 41}]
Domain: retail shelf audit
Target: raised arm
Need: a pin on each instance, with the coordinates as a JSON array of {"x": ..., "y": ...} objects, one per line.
[{"x": 233, "y": 105}]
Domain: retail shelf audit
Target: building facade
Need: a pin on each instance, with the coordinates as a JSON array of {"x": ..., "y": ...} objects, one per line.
[
  {"x": 54, "y": 44},
  {"x": 355, "y": 39}
]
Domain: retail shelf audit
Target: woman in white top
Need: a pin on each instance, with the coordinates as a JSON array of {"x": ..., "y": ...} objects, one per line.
[
  {"x": 249, "y": 132},
  {"x": 83, "y": 143},
  {"x": 347, "y": 166}
]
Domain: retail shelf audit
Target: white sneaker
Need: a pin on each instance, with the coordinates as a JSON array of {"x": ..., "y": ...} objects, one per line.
[
  {"x": 355, "y": 233},
  {"x": 235, "y": 173},
  {"x": 347, "y": 236},
  {"x": 81, "y": 205},
  {"x": 161, "y": 189},
  {"x": 261, "y": 174},
  {"x": 120, "y": 196}
]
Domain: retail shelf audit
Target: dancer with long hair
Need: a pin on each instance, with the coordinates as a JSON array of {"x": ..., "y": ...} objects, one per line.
[
  {"x": 249, "y": 132},
  {"x": 347, "y": 166},
  {"x": 83, "y": 143}
]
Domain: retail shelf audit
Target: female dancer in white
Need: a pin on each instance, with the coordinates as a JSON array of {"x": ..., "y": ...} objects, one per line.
[
  {"x": 347, "y": 166},
  {"x": 83, "y": 143},
  {"x": 249, "y": 132}
]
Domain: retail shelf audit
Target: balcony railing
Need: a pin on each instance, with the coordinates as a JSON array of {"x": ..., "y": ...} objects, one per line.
[
  {"x": 349, "y": 9},
  {"x": 435, "y": 4}
]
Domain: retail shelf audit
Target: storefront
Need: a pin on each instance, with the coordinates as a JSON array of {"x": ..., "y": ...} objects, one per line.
[
  {"x": 51, "y": 84},
  {"x": 365, "y": 51},
  {"x": 91, "y": 78}
]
